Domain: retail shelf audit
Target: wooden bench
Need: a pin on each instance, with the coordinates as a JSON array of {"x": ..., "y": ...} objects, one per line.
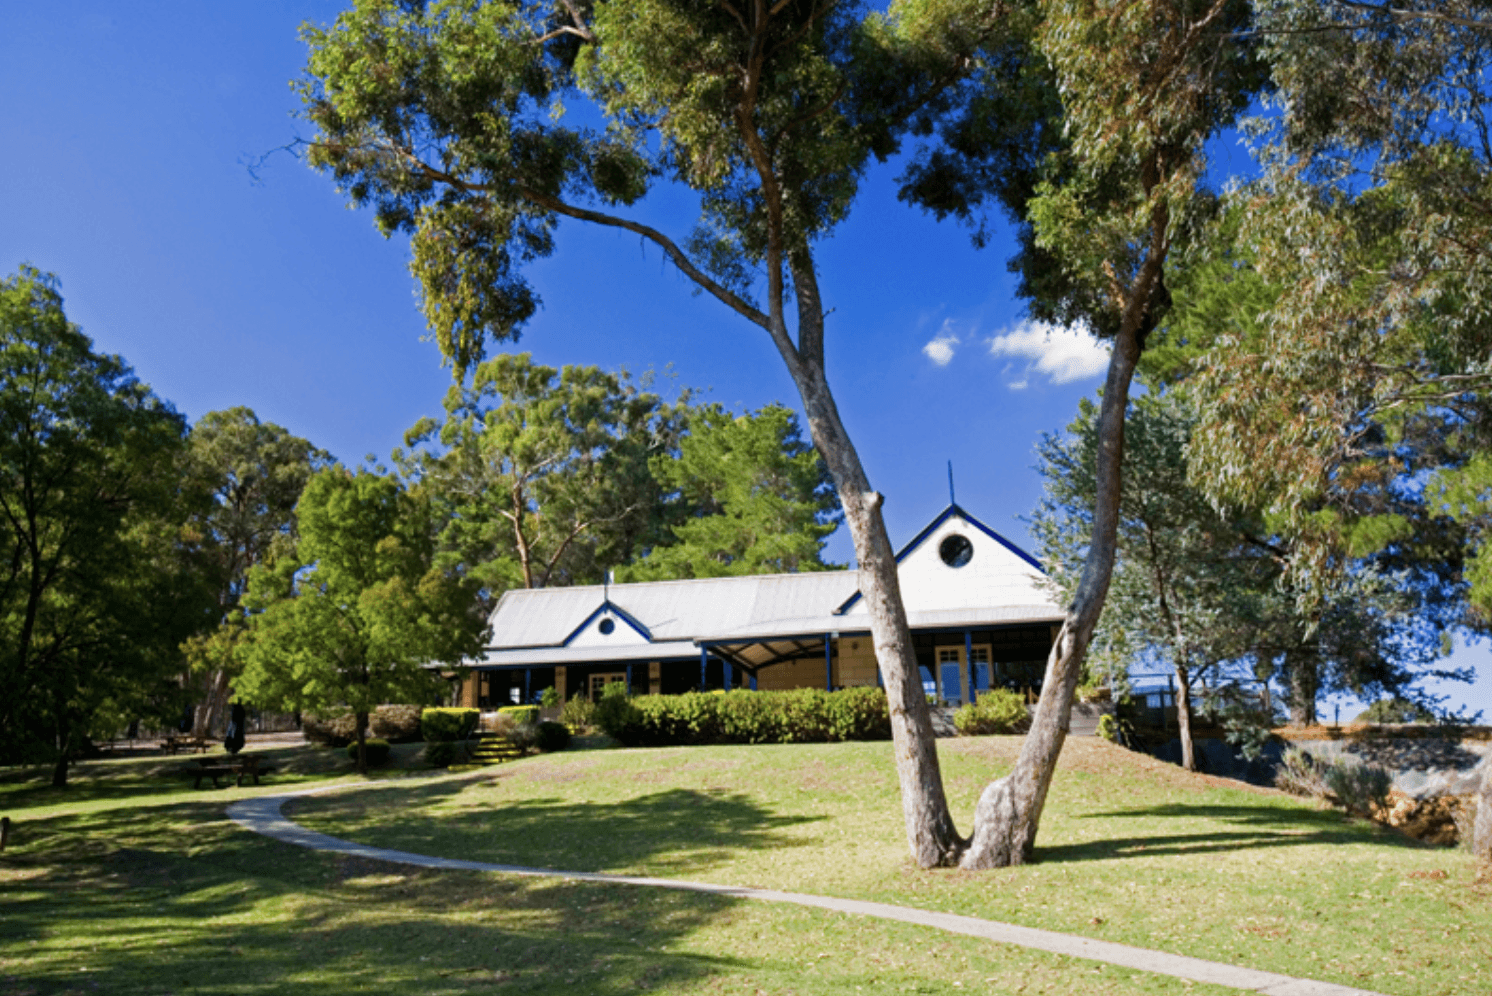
[
  {"x": 172, "y": 744},
  {"x": 247, "y": 766}
]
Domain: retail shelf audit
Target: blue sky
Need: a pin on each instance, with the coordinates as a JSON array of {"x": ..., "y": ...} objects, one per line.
[{"x": 128, "y": 137}]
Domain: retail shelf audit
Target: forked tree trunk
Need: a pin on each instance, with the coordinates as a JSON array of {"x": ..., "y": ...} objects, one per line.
[
  {"x": 1009, "y": 809},
  {"x": 1184, "y": 718}
]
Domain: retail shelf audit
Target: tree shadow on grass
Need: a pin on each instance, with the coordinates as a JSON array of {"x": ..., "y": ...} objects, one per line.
[
  {"x": 113, "y": 903},
  {"x": 662, "y": 832},
  {"x": 1250, "y": 828}
]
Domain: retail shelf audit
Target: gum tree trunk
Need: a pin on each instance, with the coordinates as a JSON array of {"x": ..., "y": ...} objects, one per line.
[
  {"x": 1009, "y": 809},
  {"x": 1302, "y": 673},
  {"x": 931, "y": 834},
  {"x": 362, "y": 743},
  {"x": 1481, "y": 837},
  {"x": 1184, "y": 718}
]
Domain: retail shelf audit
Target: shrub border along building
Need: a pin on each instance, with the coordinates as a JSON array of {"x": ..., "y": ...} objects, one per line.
[{"x": 805, "y": 715}]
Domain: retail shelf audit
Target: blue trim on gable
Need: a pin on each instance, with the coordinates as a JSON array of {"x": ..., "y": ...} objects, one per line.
[
  {"x": 951, "y": 510},
  {"x": 609, "y": 606}
]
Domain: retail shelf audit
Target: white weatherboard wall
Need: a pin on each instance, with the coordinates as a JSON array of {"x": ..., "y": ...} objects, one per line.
[{"x": 994, "y": 574}]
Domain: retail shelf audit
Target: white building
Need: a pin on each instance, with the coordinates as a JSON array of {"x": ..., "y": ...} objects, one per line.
[{"x": 978, "y": 613}]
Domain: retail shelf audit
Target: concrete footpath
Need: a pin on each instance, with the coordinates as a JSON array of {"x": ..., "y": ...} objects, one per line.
[{"x": 263, "y": 815}]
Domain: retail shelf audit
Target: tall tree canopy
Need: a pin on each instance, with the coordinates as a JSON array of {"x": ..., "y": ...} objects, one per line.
[
  {"x": 541, "y": 476},
  {"x": 1206, "y": 592},
  {"x": 759, "y": 500},
  {"x": 445, "y": 119},
  {"x": 99, "y": 585},
  {"x": 255, "y": 472},
  {"x": 353, "y": 609}
]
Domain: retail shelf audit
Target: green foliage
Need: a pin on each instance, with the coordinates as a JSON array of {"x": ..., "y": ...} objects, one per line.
[
  {"x": 541, "y": 476},
  {"x": 1395, "y": 710},
  {"x": 1359, "y": 788},
  {"x": 444, "y": 753},
  {"x": 997, "y": 711},
  {"x": 520, "y": 714},
  {"x": 761, "y": 499},
  {"x": 255, "y": 472},
  {"x": 806, "y": 715},
  {"x": 578, "y": 713},
  {"x": 446, "y": 725},
  {"x": 353, "y": 612},
  {"x": 99, "y": 582},
  {"x": 377, "y": 752},
  {"x": 553, "y": 736},
  {"x": 549, "y": 698}
]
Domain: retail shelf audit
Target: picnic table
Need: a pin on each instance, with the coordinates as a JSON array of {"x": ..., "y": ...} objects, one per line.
[
  {"x": 175, "y": 742},
  {"x": 240, "y": 767}
]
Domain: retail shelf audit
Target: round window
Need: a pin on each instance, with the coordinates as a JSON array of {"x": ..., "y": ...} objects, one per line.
[
  {"x": 606, "y": 626},
  {"x": 956, "y": 550}
]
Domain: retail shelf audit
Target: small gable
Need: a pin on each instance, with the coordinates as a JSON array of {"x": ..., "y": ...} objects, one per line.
[
  {"x": 609, "y": 626},
  {"x": 957, "y": 562}
]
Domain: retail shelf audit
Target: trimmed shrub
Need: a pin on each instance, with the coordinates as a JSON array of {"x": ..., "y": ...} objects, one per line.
[
  {"x": 444, "y": 753},
  {"x": 520, "y": 714},
  {"x": 398, "y": 724},
  {"x": 999, "y": 710},
  {"x": 807, "y": 715},
  {"x": 447, "y": 725},
  {"x": 335, "y": 728},
  {"x": 377, "y": 751},
  {"x": 553, "y": 736}
]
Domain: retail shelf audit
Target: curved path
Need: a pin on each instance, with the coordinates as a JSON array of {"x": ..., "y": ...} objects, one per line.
[{"x": 262, "y": 815}]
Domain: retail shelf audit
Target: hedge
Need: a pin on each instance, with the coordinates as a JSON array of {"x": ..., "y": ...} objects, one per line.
[
  {"x": 806, "y": 715},
  {"x": 999, "y": 710},
  {"x": 377, "y": 751},
  {"x": 447, "y": 725},
  {"x": 520, "y": 713}
]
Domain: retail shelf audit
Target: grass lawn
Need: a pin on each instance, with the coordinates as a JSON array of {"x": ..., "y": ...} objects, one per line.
[{"x": 131, "y": 882}]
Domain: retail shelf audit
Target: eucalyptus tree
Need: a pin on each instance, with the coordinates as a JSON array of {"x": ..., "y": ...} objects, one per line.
[
  {"x": 98, "y": 584},
  {"x": 1143, "y": 86},
  {"x": 1184, "y": 572},
  {"x": 1368, "y": 364},
  {"x": 542, "y": 476},
  {"x": 352, "y": 608},
  {"x": 756, "y": 499},
  {"x": 255, "y": 472},
  {"x": 448, "y": 121}
]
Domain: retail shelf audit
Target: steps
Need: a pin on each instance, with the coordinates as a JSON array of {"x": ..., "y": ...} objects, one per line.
[{"x": 494, "y": 748}]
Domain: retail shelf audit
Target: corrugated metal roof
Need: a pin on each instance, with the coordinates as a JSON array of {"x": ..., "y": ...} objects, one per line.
[
  {"x": 760, "y": 606},
  {"x": 995, "y": 615},
  {"x": 671, "y": 610},
  {"x": 550, "y": 656}
]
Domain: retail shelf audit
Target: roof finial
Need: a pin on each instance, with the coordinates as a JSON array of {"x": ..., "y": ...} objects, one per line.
[
  {"x": 606, "y": 586},
  {"x": 950, "y": 484}
]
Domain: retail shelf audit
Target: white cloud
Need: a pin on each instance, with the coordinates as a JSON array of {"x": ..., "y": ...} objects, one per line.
[
  {"x": 940, "y": 349},
  {"x": 1063, "y": 354}
]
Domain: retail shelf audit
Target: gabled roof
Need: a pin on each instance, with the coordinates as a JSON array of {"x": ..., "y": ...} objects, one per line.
[{"x": 953, "y": 510}]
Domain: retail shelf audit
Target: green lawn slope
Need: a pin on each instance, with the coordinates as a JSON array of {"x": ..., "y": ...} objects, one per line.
[{"x": 133, "y": 883}]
